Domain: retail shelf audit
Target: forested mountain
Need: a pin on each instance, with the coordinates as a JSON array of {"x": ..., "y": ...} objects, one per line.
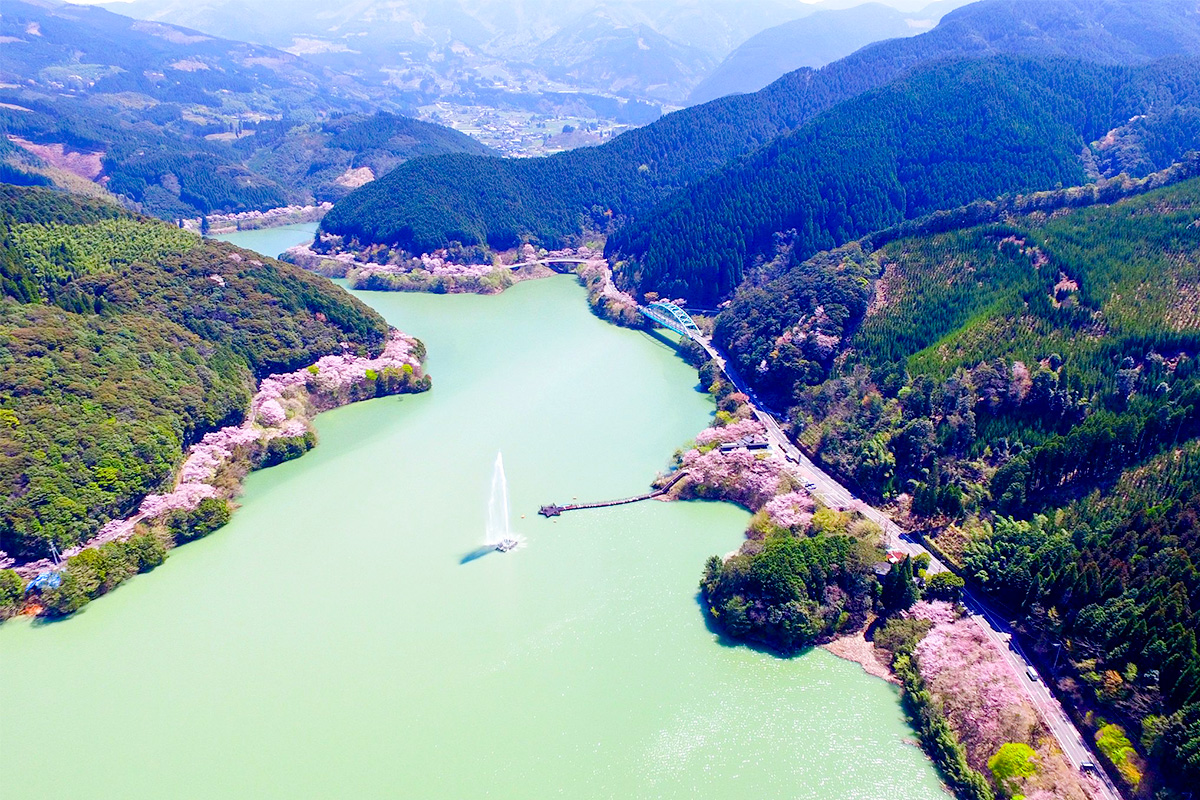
[
  {"x": 425, "y": 205},
  {"x": 326, "y": 159},
  {"x": 597, "y": 52},
  {"x": 1046, "y": 363},
  {"x": 811, "y": 41},
  {"x": 944, "y": 136},
  {"x": 184, "y": 124},
  {"x": 122, "y": 341}
]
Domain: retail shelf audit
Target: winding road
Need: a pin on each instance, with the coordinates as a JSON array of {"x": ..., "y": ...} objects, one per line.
[{"x": 832, "y": 493}]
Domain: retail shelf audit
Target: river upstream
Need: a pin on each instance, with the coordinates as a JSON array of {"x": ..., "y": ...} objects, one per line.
[{"x": 337, "y": 639}]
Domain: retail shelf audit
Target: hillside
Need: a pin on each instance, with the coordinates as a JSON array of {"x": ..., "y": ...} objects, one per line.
[
  {"x": 122, "y": 341},
  {"x": 940, "y": 138},
  {"x": 171, "y": 119},
  {"x": 1045, "y": 364},
  {"x": 325, "y": 160},
  {"x": 812, "y": 41},
  {"x": 426, "y": 205},
  {"x": 600, "y": 53}
]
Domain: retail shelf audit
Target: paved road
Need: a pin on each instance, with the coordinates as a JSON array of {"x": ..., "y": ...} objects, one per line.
[
  {"x": 832, "y": 493},
  {"x": 1048, "y": 707}
]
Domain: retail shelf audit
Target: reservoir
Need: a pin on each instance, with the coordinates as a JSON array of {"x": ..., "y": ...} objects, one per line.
[
  {"x": 343, "y": 637},
  {"x": 271, "y": 241}
]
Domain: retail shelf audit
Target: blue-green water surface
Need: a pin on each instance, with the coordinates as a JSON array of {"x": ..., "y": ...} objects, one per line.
[{"x": 338, "y": 640}]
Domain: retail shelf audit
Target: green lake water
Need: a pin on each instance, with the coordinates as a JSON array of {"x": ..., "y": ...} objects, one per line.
[
  {"x": 337, "y": 640},
  {"x": 271, "y": 241}
]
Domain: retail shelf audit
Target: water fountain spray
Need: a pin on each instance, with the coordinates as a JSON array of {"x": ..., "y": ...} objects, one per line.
[{"x": 499, "y": 533}]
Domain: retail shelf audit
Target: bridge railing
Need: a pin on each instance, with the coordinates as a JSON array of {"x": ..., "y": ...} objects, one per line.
[{"x": 671, "y": 317}]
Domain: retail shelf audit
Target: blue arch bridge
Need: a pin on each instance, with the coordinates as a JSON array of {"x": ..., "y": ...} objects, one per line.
[{"x": 673, "y": 318}]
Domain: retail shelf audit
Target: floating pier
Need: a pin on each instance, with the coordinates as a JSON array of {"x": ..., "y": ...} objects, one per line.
[{"x": 553, "y": 510}]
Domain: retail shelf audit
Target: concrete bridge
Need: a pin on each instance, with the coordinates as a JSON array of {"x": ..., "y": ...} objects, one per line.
[{"x": 552, "y": 260}]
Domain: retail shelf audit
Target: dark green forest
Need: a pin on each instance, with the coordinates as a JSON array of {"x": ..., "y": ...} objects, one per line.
[
  {"x": 1031, "y": 389},
  {"x": 122, "y": 341},
  {"x": 938, "y": 139},
  {"x": 430, "y": 204},
  {"x": 791, "y": 591}
]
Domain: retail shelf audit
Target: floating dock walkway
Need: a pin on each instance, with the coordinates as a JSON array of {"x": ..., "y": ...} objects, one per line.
[{"x": 554, "y": 510}]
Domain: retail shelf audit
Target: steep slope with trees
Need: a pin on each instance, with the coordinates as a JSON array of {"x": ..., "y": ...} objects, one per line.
[
  {"x": 1031, "y": 387},
  {"x": 944, "y": 136},
  {"x": 122, "y": 341},
  {"x": 426, "y": 205}
]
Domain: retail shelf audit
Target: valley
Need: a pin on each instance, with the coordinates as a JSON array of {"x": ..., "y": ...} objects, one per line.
[
  {"x": 838, "y": 329},
  {"x": 583, "y": 654}
]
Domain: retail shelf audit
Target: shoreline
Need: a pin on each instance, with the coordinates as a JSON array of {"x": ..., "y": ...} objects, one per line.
[
  {"x": 435, "y": 275},
  {"x": 953, "y": 683},
  {"x": 855, "y": 648},
  {"x": 225, "y": 456},
  {"x": 437, "y": 272},
  {"x": 278, "y": 426},
  {"x": 256, "y": 220}
]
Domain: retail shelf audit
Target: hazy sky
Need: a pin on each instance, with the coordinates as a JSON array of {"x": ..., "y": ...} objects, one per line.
[{"x": 893, "y": 3}]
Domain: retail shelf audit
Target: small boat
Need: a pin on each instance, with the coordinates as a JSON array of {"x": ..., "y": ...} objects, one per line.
[{"x": 506, "y": 544}]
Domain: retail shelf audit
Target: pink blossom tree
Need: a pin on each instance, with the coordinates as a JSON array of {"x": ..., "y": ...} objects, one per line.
[{"x": 793, "y": 510}]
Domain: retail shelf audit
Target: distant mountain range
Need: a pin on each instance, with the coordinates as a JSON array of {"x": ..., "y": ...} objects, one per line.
[
  {"x": 597, "y": 51},
  {"x": 425, "y": 205},
  {"x": 181, "y": 123},
  {"x": 813, "y": 41},
  {"x": 653, "y": 50}
]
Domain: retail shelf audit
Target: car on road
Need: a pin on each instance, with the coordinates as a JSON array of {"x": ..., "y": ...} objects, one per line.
[
  {"x": 1088, "y": 767},
  {"x": 1032, "y": 673}
]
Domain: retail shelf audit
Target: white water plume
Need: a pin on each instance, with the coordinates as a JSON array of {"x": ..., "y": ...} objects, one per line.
[{"x": 498, "y": 528}]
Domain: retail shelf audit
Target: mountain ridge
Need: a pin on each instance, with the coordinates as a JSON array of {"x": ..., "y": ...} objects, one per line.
[
  {"x": 943, "y": 136},
  {"x": 181, "y": 123},
  {"x": 1024, "y": 387},
  {"x": 811, "y": 41},
  {"x": 423, "y": 207}
]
